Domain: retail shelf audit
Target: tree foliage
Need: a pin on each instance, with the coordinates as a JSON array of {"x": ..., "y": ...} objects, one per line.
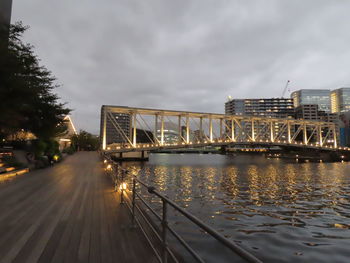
[
  {"x": 27, "y": 101},
  {"x": 85, "y": 141}
]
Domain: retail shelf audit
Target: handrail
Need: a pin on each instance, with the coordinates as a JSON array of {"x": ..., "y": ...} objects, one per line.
[
  {"x": 240, "y": 251},
  {"x": 164, "y": 224}
]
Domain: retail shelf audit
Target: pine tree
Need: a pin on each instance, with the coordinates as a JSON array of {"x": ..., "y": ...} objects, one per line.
[{"x": 27, "y": 101}]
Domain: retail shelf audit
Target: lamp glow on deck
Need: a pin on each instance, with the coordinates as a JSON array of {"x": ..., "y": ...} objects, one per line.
[
  {"x": 109, "y": 167},
  {"x": 105, "y": 161},
  {"x": 123, "y": 186}
]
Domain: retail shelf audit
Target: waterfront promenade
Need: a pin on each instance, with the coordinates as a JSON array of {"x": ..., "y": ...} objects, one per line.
[{"x": 67, "y": 213}]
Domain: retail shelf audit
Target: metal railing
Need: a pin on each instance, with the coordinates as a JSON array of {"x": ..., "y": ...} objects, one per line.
[{"x": 119, "y": 176}]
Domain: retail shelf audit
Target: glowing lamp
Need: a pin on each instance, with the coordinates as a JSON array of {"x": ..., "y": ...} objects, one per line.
[{"x": 123, "y": 186}]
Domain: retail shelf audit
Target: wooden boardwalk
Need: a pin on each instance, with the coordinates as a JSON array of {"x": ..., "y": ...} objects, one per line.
[{"x": 67, "y": 213}]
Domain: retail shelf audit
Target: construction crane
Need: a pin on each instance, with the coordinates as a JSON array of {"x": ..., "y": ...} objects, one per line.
[{"x": 285, "y": 88}]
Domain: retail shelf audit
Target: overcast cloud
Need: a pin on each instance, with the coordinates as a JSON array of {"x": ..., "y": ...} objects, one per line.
[{"x": 185, "y": 55}]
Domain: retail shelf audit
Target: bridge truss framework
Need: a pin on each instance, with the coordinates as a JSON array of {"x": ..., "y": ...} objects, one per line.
[{"x": 211, "y": 129}]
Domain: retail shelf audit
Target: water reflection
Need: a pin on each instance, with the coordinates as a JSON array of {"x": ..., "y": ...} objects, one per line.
[{"x": 283, "y": 210}]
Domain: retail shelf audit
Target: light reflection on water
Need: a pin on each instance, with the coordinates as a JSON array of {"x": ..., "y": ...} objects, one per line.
[{"x": 281, "y": 212}]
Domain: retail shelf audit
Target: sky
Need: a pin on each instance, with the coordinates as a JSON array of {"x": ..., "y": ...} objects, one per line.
[{"x": 185, "y": 55}]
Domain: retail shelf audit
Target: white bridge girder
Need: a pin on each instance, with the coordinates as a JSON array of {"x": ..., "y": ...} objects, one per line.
[{"x": 197, "y": 129}]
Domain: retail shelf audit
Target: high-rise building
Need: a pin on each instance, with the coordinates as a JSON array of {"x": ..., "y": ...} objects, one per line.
[
  {"x": 344, "y": 135},
  {"x": 307, "y": 112},
  {"x": 312, "y": 112},
  {"x": 275, "y": 107},
  {"x": 340, "y": 100},
  {"x": 117, "y": 129},
  {"x": 320, "y": 97}
]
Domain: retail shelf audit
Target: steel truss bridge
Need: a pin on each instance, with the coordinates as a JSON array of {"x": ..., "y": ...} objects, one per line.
[{"x": 170, "y": 129}]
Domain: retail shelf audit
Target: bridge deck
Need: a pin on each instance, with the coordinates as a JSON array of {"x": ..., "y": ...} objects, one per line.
[{"x": 67, "y": 213}]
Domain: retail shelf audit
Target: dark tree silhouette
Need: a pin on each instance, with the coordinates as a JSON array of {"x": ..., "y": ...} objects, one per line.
[
  {"x": 27, "y": 101},
  {"x": 85, "y": 141}
]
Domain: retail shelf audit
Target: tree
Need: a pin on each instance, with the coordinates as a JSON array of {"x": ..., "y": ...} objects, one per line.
[
  {"x": 27, "y": 101},
  {"x": 85, "y": 141}
]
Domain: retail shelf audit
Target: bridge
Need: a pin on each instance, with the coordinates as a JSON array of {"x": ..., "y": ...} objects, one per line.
[{"x": 122, "y": 126}]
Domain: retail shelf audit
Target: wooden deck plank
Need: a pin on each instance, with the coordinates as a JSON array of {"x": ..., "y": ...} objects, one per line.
[{"x": 67, "y": 213}]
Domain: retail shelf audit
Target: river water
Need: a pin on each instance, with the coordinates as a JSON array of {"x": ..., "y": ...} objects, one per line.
[{"x": 279, "y": 211}]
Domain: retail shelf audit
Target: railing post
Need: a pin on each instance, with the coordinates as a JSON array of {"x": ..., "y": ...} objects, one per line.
[
  {"x": 133, "y": 200},
  {"x": 164, "y": 232}
]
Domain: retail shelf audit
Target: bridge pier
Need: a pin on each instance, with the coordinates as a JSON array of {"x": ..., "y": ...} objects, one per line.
[{"x": 131, "y": 156}]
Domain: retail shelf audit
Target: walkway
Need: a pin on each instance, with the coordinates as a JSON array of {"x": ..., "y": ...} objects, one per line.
[{"x": 67, "y": 213}]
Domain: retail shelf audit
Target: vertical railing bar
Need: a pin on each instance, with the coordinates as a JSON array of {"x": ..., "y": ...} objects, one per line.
[
  {"x": 177, "y": 236},
  {"x": 164, "y": 231},
  {"x": 133, "y": 200},
  {"x": 186, "y": 246},
  {"x": 152, "y": 228},
  {"x": 149, "y": 207},
  {"x": 147, "y": 238}
]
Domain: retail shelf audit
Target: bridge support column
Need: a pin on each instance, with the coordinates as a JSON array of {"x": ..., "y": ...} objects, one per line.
[
  {"x": 220, "y": 129},
  {"x": 187, "y": 129},
  {"x": 253, "y": 131},
  {"x": 156, "y": 128},
  {"x": 334, "y": 136},
  {"x": 288, "y": 132},
  {"x": 233, "y": 130},
  {"x": 210, "y": 129},
  {"x": 104, "y": 125},
  {"x": 179, "y": 129},
  {"x": 134, "y": 130},
  {"x": 201, "y": 129},
  {"x": 319, "y": 133},
  {"x": 304, "y": 134},
  {"x": 162, "y": 129},
  {"x": 272, "y": 131}
]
